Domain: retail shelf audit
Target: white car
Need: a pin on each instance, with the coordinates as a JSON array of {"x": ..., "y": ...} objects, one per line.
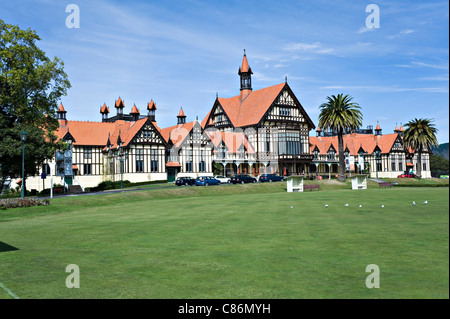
[{"x": 222, "y": 179}]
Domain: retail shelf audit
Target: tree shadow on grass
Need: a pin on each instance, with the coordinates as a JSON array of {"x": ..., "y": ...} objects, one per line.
[{"x": 5, "y": 247}]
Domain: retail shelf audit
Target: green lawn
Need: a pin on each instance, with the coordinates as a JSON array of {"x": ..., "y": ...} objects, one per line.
[{"x": 231, "y": 241}]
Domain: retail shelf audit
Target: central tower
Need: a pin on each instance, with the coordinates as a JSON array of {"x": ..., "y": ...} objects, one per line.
[{"x": 245, "y": 72}]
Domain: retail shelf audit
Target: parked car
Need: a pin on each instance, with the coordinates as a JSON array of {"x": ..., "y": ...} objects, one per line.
[
  {"x": 242, "y": 179},
  {"x": 206, "y": 181},
  {"x": 406, "y": 175},
  {"x": 270, "y": 178},
  {"x": 222, "y": 179},
  {"x": 185, "y": 181}
]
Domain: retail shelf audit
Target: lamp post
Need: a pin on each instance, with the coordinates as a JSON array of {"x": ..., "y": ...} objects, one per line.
[{"x": 23, "y": 138}]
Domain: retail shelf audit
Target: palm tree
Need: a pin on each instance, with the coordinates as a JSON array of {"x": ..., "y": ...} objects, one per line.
[
  {"x": 420, "y": 136},
  {"x": 340, "y": 115}
]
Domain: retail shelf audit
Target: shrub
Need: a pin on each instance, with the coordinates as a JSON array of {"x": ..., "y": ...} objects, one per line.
[
  {"x": 107, "y": 185},
  {"x": 26, "y": 202}
]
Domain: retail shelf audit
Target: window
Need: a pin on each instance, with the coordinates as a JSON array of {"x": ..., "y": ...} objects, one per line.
[
  {"x": 202, "y": 163},
  {"x": 154, "y": 161},
  {"x": 87, "y": 169},
  {"x": 139, "y": 160},
  {"x": 293, "y": 143},
  {"x": 379, "y": 166},
  {"x": 285, "y": 111},
  {"x": 331, "y": 154},
  {"x": 400, "y": 163},
  {"x": 393, "y": 164},
  {"x": 188, "y": 160},
  {"x": 424, "y": 163},
  {"x": 196, "y": 135},
  {"x": 316, "y": 154},
  {"x": 147, "y": 134},
  {"x": 267, "y": 144},
  {"x": 87, "y": 152},
  {"x": 222, "y": 152}
]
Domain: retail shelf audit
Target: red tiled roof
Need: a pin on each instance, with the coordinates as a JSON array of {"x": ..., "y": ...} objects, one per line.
[
  {"x": 135, "y": 110},
  {"x": 245, "y": 67},
  {"x": 378, "y": 128},
  {"x": 61, "y": 109},
  {"x": 353, "y": 142},
  {"x": 252, "y": 108},
  {"x": 205, "y": 119},
  {"x": 181, "y": 113},
  {"x": 151, "y": 105},
  {"x": 177, "y": 133},
  {"x": 119, "y": 103},
  {"x": 97, "y": 133},
  {"x": 173, "y": 164},
  {"x": 104, "y": 109}
]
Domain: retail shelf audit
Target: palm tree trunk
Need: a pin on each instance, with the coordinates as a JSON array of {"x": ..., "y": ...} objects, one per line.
[
  {"x": 419, "y": 164},
  {"x": 341, "y": 175}
]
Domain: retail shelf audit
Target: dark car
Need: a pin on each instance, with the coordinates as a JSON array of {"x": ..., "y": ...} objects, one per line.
[
  {"x": 270, "y": 178},
  {"x": 185, "y": 181},
  {"x": 406, "y": 175},
  {"x": 242, "y": 179}
]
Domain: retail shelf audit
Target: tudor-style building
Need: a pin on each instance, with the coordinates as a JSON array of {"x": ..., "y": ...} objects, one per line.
[
  {"x": 271, "y": 119},
  {"x": 189, "y": 149},
  {"x": 379, "y": 155},
  {"x": 255, "y": 132},
  {"x": 128, "y": 146}
]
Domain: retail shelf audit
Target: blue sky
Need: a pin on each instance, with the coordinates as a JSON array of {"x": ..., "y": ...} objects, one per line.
[{"x": 180, "y": 53}]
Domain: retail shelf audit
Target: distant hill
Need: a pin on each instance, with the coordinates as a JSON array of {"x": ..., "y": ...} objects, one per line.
[{"x": 441, "y": 150}]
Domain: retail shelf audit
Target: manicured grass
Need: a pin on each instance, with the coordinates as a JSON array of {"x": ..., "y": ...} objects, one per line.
[
  {"x": 231, "y": 241},
  {"x": 420, "y": 182}
]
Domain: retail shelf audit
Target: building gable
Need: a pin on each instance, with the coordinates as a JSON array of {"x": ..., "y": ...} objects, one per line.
[
  {"x": 148, "y": 134},
  {"x": 219, "y": 116},
  {"x": 286, "y": 107},
  {"x": 397, "y": 145},
  {"x": 196, "y": 136}
]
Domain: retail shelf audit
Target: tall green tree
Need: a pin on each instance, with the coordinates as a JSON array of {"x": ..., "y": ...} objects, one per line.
[
  {"x": 420, "y": 135},
  {"x": 340, "y": 114},
  {"x": 31, "y": 85}
]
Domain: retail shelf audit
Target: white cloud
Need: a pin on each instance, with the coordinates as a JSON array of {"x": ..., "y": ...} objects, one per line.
[
  {"x": 400, "y": 34},
  {"x": 433, "y": 66},
  {"x": 435, "y": 78},
  {"x": 315, "y": 48}
]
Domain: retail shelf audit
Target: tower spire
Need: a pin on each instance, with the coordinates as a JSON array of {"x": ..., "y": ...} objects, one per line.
[
  {"x": 245, "y": 73},
  {"x": 181, "y": 117}
]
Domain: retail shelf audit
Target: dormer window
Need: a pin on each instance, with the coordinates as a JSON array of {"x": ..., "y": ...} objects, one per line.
[
  {"x": 316, "y": 154},
  {"x": 331, "y": 154}
]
